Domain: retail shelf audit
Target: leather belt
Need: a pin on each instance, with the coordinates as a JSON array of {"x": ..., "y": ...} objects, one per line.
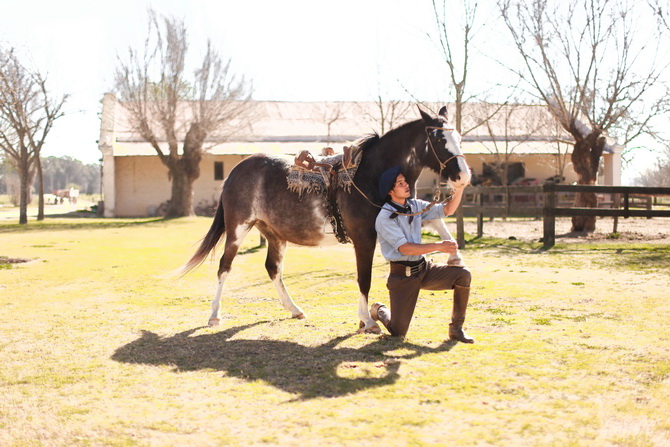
[{"x": 403, "y": 269}]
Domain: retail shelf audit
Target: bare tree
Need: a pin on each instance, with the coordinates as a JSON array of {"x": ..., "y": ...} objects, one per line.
[
  {"x": 661, "y": 9},
  {"x": 509, "y": 127},
  {"x": 458, "y": 30},
  {"x": 599, "y": 75},
  {"x": 27, "y": 114},
  {"x": 330, "y": 114},
  {"x": 658, "y": 175},
  {"x": 457, "y": 64},
  {"x": 168, "y": 107},
  {"x": 388, "y": 114}
]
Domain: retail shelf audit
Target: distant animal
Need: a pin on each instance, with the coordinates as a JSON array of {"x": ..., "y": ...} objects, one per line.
[
  {"x": 69, "y": 194},
  {"x": 255, "y": 194}
]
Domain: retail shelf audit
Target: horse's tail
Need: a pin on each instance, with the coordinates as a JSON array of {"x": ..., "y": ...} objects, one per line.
[{"x": 209, "y": 242}]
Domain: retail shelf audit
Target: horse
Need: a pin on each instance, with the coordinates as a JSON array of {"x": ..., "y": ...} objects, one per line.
[{"x": 256, "y": 194}]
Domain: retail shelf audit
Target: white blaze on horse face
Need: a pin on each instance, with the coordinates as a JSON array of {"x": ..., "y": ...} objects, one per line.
[{"x": 453, "y": 139}]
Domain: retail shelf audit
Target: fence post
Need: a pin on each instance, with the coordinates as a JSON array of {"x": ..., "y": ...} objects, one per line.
[
  {"x": 617, "y": 205},
  {"x": 480, "y": 215},
  {"x": 460, "y": 228},
  {"x": 549, "y": 216},
  {"x": 626, "y": 204}
]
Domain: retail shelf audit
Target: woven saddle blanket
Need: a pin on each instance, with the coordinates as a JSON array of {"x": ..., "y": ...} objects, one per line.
[{"x": 318, "y": 176}]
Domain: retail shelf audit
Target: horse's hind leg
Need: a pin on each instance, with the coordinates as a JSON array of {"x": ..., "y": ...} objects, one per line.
[
  {"x": 233, "y": 241},
  {"x": 274, "y": 265}
]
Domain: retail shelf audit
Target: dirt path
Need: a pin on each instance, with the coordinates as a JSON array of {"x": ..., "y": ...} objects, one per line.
[
  {"x": 656, "y": 230},
  {"x": 12, "y": 212}
]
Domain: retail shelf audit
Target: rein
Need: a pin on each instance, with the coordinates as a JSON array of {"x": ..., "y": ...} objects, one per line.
[
  {"x": 430, "y": 143},
  {"x": 438, "y": 194}
]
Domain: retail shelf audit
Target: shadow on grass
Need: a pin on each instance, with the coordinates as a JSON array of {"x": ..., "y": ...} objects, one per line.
[{"x": 308, "y": 371}]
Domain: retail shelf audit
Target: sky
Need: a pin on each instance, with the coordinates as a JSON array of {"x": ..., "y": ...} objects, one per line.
[{"x": 292, "y": 50}]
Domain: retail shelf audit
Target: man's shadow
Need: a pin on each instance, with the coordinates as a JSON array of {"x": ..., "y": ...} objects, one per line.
[{"x": 304, "y": 370}]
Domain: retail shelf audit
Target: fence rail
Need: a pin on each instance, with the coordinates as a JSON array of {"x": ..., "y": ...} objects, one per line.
[{"x": 551, "y": 200}]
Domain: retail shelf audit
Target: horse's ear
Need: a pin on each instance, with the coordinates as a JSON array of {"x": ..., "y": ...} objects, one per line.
[
  {"x": 443, "y": 113},
  {"x": 424, "y": 116}
]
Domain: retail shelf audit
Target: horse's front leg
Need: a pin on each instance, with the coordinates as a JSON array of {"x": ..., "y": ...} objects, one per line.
[
  {"x": 274, "y": 265},
  {"x": 364, "y": 258},
  {"x": 438, "y": 225},
  {"x": 367, "y": 324}
]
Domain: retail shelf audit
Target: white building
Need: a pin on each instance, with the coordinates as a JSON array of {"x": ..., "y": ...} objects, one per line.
[{"x": 135, "y": 182}]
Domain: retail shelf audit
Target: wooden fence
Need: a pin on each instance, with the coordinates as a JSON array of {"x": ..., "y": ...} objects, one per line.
[{"x": 551, "y": 200}]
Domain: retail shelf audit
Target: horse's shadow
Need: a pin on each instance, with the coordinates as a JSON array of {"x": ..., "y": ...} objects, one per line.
[{"x": 308, "y": 371}]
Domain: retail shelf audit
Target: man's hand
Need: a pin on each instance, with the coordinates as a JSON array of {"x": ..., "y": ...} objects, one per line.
[{"x": 449, "y": 247}]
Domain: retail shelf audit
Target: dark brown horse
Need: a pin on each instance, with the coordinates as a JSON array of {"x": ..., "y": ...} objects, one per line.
[{"x": 256, "y": 195}]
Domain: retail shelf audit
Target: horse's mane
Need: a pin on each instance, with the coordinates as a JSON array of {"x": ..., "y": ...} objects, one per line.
[
  {"x": 368, "y": 141},
  {"x": 371, "y": 140}
]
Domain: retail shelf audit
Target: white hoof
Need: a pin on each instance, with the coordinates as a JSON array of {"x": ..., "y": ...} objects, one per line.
[
  {"x": 372, "y": 329},
  {"x": 300, "y": 316},
  {"x": 214, "y": 322}
]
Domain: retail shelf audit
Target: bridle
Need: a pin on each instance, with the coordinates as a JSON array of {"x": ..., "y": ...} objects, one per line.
[
  {"x": 438, "y": 194},
  {"x": 443, "y": 165}
]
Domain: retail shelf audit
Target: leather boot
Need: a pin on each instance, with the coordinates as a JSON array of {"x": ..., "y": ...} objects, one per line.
[
  {"x": 381, "y": 313},
  {"x": 461, "y": 297}
]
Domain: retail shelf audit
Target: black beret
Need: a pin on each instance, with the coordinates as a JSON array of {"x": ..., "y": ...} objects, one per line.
[{"x": 387, "y": 180}]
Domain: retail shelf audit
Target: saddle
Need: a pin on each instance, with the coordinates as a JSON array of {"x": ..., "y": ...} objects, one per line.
[
  {"x": 306, "y": 160},
  {"x": 323, "y": 176}
]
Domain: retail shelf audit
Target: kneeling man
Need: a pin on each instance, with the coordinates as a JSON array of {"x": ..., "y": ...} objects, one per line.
[{"x": 398, "y": 227}]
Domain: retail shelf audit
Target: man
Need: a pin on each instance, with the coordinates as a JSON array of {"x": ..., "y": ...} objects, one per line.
[{"x": 398, "y": 228}]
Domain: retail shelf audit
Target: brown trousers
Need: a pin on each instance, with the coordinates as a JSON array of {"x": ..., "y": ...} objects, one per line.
[{"x": 404, "y": 291}]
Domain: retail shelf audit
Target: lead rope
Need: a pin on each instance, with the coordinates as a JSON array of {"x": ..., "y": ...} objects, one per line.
[{"x": 438, "y": 192}]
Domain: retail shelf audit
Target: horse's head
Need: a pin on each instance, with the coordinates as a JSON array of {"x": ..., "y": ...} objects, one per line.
[{"x": 443, "y": 147}]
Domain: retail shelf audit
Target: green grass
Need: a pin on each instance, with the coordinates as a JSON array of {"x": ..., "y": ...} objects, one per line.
[{"x": 102, "y": 345}]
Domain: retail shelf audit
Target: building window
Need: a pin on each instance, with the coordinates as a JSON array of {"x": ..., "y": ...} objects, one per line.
[{"x": 218, "y": 170}]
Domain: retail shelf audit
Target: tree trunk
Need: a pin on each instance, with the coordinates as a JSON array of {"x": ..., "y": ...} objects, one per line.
[
  {"x": 23, "y": 191},
  {"x": 40, "y": 189},
  {"x": 181, "y": 201},
  {"x": 586, "y": 160},
  {"x": 184, "y": 171}
]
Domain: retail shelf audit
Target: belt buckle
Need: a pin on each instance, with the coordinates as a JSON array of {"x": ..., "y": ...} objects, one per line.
[{"x": 408, "y": 271}]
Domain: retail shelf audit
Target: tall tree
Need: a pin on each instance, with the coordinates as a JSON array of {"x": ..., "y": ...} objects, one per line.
[
  {"x": 27, "y": 114},
  {"x": 458, "y": 62},
  {"x": 167, "y": 107},
  {"x": 598, "y": 69}
]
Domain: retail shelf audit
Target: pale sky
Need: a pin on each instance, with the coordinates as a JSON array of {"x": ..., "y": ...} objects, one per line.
[
  {"x": 302, "y": 50},
  {"x": 293, "y": 50}
]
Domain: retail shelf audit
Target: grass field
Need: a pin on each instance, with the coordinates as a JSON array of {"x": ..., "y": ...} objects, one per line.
[{"x": 100, "y": 344}]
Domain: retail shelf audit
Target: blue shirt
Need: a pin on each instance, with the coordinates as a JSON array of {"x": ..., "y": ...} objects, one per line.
[{"x": 393, "y": 233}]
